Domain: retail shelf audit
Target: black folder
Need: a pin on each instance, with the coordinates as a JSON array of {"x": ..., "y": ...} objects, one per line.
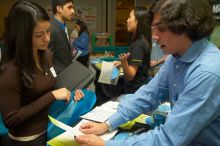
[{"x": 75, "y": 76}]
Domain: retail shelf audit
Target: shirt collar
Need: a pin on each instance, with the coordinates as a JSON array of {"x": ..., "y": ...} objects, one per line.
[
  {"x": 194, "y": 51},
  {"x": 62, "y": 25}
]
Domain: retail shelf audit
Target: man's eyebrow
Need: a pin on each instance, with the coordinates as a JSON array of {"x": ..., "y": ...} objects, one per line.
[{"x": 155, "y": 24}]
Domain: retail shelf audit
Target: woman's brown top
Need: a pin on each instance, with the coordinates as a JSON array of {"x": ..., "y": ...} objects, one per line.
[{"x": 24, "y": 109}]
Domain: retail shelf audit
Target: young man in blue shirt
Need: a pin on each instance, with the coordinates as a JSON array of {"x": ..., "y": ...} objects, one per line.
[{"x": 189, "y": 79}]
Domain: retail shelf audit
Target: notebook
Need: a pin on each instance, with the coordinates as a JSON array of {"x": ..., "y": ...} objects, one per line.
[{"x": 75, "y": 76}]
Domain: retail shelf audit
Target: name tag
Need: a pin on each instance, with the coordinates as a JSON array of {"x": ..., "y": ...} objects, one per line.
[{"x": 53, "y": 72}]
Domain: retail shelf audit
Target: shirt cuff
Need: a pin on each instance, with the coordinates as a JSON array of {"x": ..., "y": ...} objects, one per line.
[{"x": 116, "y": 120}]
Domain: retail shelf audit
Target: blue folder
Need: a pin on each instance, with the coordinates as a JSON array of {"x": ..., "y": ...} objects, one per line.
[
  {"x": 3, "y": 129},
  {"x": 69, "y": 113}
]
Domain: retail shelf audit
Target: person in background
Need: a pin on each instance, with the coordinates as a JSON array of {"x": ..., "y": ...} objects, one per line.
[
  {"x": 82, "y": 42},
  {"x": 74, "y": 34},
  {"x": 189, "y": 79},
  {"x": 158, "y": 57},
  {"x": 59, "y": 43},
  {"x": 136, "y": 62},
  {"x": 26, "y": 82}
]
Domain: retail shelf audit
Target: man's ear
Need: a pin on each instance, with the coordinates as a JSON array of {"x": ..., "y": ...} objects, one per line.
[{"x": 59, "y": 9}]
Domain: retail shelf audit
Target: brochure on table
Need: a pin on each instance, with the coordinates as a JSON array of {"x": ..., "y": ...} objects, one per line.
[
  {"x": 67, "y": 138},
  {"x": 101, "y": 113}
]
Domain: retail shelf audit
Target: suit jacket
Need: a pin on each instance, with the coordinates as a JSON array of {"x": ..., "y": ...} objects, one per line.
[{"x": 60, "y": 47}]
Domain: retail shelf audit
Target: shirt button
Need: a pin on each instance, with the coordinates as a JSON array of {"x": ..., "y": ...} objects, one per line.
[
  {"x": 177, "y": 66},
  {"x": 174, "y": 85}
]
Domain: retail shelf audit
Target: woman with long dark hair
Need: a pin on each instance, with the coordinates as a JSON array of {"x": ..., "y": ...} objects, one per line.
[
  {"x": 26, "y": 87},
  {"x": 136, "y": 62}
]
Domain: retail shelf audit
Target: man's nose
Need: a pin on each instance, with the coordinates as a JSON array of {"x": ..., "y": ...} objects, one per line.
[{"x": 155, "y": 36}]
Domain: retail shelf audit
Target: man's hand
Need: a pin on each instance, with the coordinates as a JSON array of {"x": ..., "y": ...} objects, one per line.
[
  {"x": 93, "y": 128},
  {"x": 90, "y": 140}
]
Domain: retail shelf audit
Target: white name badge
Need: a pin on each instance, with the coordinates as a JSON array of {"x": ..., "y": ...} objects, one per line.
[{"x": 53, "y": 72}]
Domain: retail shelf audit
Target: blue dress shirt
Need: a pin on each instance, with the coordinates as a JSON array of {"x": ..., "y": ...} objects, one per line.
[
  {"x": 62, "y": 25},
  {"x": 192, "y": 84}
]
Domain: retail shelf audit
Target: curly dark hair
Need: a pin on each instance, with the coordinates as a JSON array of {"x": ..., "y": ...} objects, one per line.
[{"x": 193, "y": 17}]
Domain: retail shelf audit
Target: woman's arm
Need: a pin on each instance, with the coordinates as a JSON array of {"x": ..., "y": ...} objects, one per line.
[
  {"x": 129, "y": 70},
  {"x": 11, "y": 91}
]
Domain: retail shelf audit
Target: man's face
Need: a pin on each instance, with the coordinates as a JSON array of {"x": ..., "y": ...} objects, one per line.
[
  {"x": 67, "y": 11},
  {"x": 169, "y": 42}
]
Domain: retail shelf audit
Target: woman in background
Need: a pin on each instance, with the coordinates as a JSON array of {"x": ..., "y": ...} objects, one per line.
[
  {"x": 82, "y": 42},
  {"x": 136, "y": 62},
  {"x": 26, "y": 87}
]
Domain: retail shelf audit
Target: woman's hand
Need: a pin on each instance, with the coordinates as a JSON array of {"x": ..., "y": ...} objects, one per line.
[
  {"x": 90, "y": 140},
  {"x": 93, "y": 128},
  {"x": 117, "y": 63},
  {"x": 78, "y": 95},
  {"x": 62, "y": 94},
  {"x": 124, "y": 56}
]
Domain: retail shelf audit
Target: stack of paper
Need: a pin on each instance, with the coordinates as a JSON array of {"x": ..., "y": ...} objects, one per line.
[
  {"x": 101, "y": 113},
  {"x": 67, "y": 138},
  {"x": 98, "y": 114}
]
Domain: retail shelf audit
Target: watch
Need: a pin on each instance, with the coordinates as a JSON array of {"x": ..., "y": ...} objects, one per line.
[
  {"x": 158, "y": 62},
  {"x": 108, "y": 125}
]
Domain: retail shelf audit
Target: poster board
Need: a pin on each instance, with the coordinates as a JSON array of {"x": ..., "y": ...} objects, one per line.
[{"x": 88, "y": 15}]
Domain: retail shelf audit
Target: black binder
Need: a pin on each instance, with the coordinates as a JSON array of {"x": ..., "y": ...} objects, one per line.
[{"x": 75, "y": 76}]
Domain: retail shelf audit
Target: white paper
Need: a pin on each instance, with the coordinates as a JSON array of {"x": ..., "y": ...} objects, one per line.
[
  {"x": 110, "y": 104},
  {"x": 106, "y": 72},
  {"x": 70, "y": 130},
  {"x": 99, "y": 114},
  {"x": 77, "y": 55},
  {"x": 67, "y": 138}
]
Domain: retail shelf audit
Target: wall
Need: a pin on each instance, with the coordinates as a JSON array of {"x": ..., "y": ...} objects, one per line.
[
  {"x": 145, "y": 3},
  {"x": 102, "y": 23},
  {"x": 5, "y": 6}
]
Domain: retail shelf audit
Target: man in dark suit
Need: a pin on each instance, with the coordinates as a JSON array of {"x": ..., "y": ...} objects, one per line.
[{"x": 59, "y": 43}]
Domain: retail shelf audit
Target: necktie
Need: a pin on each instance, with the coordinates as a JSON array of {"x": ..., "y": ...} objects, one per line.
[{"x": 66, "y": 33}]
